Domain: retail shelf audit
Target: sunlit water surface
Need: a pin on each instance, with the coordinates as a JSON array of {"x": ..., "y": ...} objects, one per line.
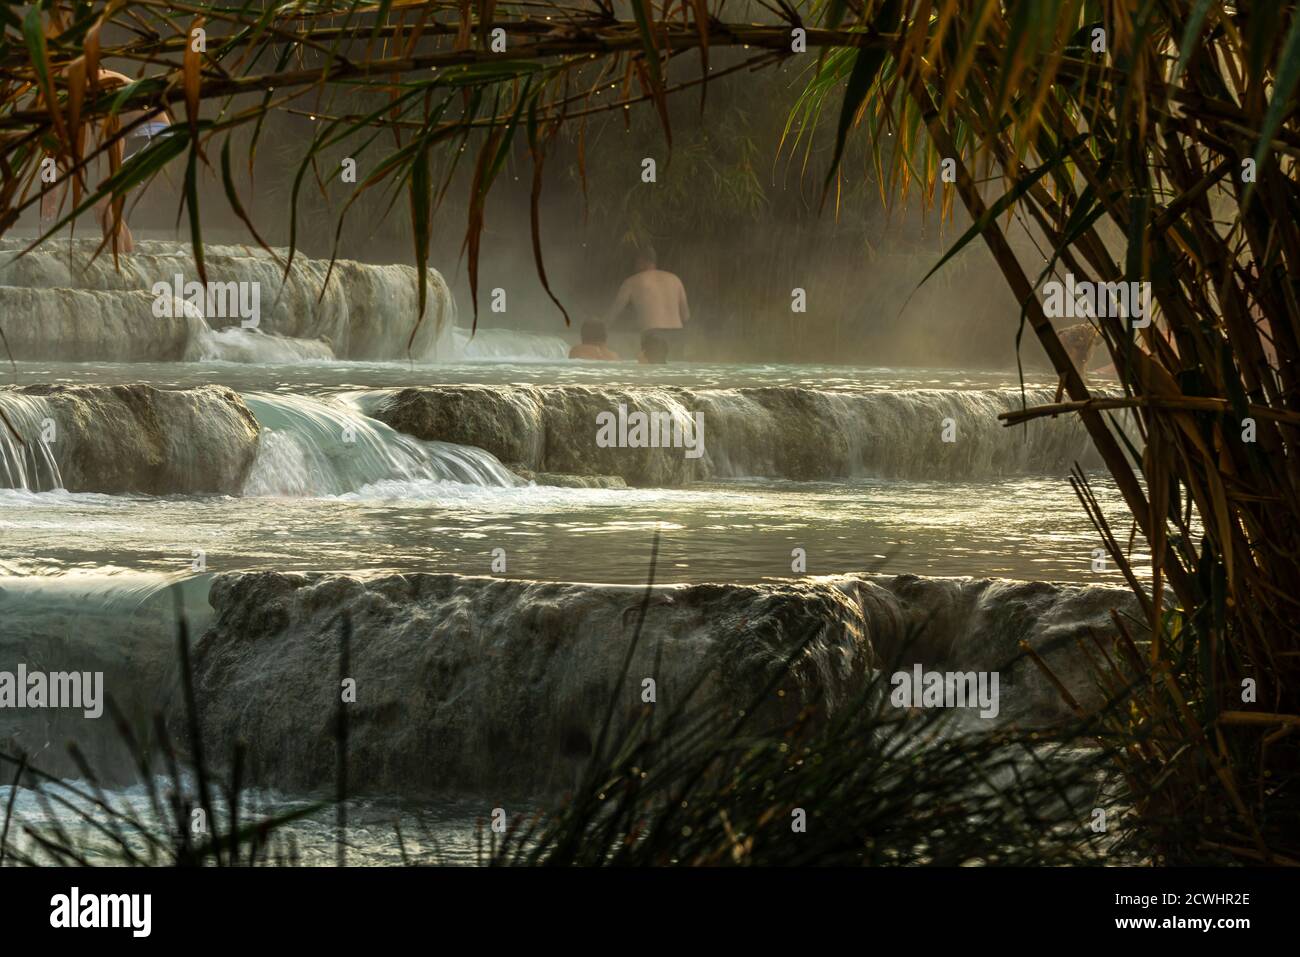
[
  {"x": 1028, "y": 527},
  {"x": 335, "y": 375}
]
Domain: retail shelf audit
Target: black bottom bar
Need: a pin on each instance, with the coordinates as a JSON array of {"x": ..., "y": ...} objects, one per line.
[{"x": 678, "y": 908}]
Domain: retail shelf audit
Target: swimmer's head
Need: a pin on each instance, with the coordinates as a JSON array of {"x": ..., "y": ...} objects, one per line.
[
  {"x": 593, "y": 333},
  {"x": 645, "y": 258}
]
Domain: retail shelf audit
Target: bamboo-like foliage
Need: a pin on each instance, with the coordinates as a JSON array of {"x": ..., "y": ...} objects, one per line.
[
  {"x": 1151, "y": 141},
  {"x": 395, "y": 86}
]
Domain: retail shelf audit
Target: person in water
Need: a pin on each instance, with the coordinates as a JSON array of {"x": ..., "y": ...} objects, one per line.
[
  {"x": 139, "y": 137},
  {"x": 593, "y": 343},
  {"x": 659, "y": 300},
  {"x": 654, "y": 350}
]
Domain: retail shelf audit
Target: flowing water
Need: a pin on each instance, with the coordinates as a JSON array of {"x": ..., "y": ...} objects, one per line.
[
  {"x": 477, "y": 459},
  {"x": 333, "y": 489}
]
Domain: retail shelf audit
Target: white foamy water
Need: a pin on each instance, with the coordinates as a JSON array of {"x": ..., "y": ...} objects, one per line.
[
  {"x": 25, "y": 460},
  {"x": 333, "y": 488},
  {"x": 60, "y": 302},
  {"x": 1031, "y": 528},
  {"x": 250, "y": 346},
  {"x": 315, "y": 447},
  {"x": 506, "y": 345},
  {"x": 444, "y": 832},
  {"x": 318, "y": 485}
]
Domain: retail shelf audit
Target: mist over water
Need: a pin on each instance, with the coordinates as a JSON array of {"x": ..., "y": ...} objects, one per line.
[{"x": 445, "y": 486}]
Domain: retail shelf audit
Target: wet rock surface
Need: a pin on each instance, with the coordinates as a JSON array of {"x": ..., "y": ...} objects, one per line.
[
  {"x": 62, "y": 302},
  {"x": 779, "y": 432},
  {"x": 467, "y": 683},
  {"x": 139, "y": 439}
]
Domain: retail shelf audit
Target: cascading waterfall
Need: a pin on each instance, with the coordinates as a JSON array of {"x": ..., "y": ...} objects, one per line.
[
  {"x": 122, "y": 625},
  {"x": 916, "y": 433},
  {"x": 236, "y": 344},
  {"x": 124, "y": 439},
  {"x": 453, "y": 661},
  {"x": 508, "y": 344},
  {"x": 314, "y": 447},
  {"x": 25, "y": 458},
  {"x": 397, "y": 442},
  {"x": 482, "y": 643},
  {"x": 768, "y": 432},
  {"x": 248, "y": 345},
  {"x": 61, "y": 303},
  {"x": 473, "y": 681}
]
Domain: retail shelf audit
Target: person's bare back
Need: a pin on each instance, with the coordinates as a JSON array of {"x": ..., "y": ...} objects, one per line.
[{"x": 657, "y": 297}]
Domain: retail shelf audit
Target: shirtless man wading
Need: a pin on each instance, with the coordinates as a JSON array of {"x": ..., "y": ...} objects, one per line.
[{"x": 659, "y": 300}]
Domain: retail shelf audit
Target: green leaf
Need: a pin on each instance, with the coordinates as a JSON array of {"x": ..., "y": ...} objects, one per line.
[
  {"x": 479, "y": 73},
  {"x": 1003, "y": 203},
  {"x": 1190, "y": 33},
  {"x": 34, "y": 35},
  {"x": 866, "y": 66},
  {"x": 647, "y": 40},
  {"x": 232, "y": 195},
  {"x": 1284, "y": 84},
  {"x": 192, "y": 208},
  {"x": 421, "y": 211}
]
